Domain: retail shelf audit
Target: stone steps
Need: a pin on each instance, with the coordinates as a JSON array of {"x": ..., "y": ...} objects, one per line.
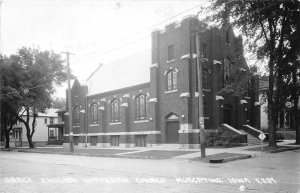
[{"x": 251, "y": 140}]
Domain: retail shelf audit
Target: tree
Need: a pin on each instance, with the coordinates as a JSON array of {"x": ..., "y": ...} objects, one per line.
[
  {"x": 8, "y": 95},
  {"x": 29, "y": 82},
  {"x": 272, "y": 30},
  {"x": 241, "y": 75},
  {"x": 58, "y": 103}
]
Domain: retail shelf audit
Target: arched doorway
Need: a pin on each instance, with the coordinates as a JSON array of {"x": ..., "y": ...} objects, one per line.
[
  {"x": 172, "y": 127},
  {"x": 227, "y": 114}
]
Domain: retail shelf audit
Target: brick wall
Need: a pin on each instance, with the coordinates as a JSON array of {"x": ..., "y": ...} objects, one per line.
[{"x": 182, "y": 102}]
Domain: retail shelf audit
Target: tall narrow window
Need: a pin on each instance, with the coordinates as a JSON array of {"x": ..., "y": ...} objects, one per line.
[
  {"x": 205, "y": 78},
  {"x": 204, "y": 51},
  {"x": 141, "y": 107},
  {"x": 248, "y": 93},
  {"x": 227, "y": 37},
  {"x": 76, "y": 116},
  {"x": 226, "y": 71},
  {"x": 171, "y": 80},
  {"x": 170, "y": 52},
  {"x": 76, "y": 91},
  {"x": 51, "y": 133},
  {"x": 169, "y": 77},
  {"x": 205, "y": 109},
  {"x": 94, "y": 113},
  {"x": 51, "y": 120},
  {"x": 174, "y": 79},
  {"x": 115, "y": 111}
]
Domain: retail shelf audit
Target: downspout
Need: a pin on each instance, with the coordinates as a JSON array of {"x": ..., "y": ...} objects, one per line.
[{"x": 86, "y": 119}]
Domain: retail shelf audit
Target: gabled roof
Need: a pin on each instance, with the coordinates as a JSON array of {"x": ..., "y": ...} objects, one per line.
[
  {"x": 48, "y": 113},
  {"x": 126, "y": 72},
  {"x": 61, "y": 110}
]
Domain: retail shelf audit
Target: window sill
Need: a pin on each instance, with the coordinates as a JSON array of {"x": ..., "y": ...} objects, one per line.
[
  {"x": 171, "y": 91},
  {"x": 115, "y": 123},
  {"x": 170, "y": 61},
  {"x": 94, "y": 124},
  {"x": 142, "y": 121}
]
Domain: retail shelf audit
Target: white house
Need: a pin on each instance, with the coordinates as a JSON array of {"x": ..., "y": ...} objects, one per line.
[{"x": 40, "y": 137}]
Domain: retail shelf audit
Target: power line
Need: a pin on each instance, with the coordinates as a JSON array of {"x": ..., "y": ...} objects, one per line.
[
  {"x": 138, "y": 33},
  {"x": 109, "y": 51}
]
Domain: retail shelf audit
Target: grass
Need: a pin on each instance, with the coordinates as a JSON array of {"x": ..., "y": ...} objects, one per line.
[
  {"x": 161, "y": 153},
  {"x": 66, "y": 150}
]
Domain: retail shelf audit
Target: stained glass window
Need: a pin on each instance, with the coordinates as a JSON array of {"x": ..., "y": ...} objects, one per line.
[
  {"x": 227, "y": 71},
  {"x": 171, "y": 80},
  {"x": 94, "y": 113},
  {"x": 205, "y": 78},
  {"x": 77, "y": 116},
  {"x": 141, "y": 107},
  {"x": 115, "y": 110}
]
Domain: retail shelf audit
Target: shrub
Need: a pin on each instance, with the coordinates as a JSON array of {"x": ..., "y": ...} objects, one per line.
[
  {"x": 221, "y": 138},
  {"x": 279, "y": 136}
]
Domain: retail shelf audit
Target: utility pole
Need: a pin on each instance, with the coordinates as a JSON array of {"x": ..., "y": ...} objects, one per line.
[
  {"x": 0, "y": 27},
  {"x": 70, "y": 105},
  {"x": 200, "y": 98},
  {"x": 0, "y": 61}
]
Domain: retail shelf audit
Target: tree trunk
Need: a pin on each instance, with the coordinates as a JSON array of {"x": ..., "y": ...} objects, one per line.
[
  {"x": 271, "y": 113},
  {"x": 297, "y": 126},
  {"x": 296, "y": 112},
  {"x": 29, "y": 137},
  {"x": 6, "y": 133},
  {"x": 30, "y": 143},
  {"x": 6, "y": 137}
]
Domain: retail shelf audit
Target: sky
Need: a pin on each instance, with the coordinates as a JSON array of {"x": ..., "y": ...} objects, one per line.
[{"x": 95, "y": 31}]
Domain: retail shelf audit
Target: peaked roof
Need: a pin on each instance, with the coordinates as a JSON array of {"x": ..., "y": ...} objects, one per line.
[
  {"x": 61, "y": 110},
  {"x": 48, "y": 113},
  {"x": 126, "y": 72}
]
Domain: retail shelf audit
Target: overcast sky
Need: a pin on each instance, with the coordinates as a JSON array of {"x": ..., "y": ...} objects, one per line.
[{"x": 95, "y": 31}]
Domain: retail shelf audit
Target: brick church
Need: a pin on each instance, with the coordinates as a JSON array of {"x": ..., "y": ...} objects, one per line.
[{"x": 151, "y": 98}]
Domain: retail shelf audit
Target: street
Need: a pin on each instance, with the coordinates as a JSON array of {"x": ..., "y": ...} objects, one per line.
[{"x": 33, "y": 172}]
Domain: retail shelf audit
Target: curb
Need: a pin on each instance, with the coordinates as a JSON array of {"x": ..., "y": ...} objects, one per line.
[
  {"x": 228, "y": 159},
  {"x": 284, "y": 149},
  {"x": 92, "y": 155}
]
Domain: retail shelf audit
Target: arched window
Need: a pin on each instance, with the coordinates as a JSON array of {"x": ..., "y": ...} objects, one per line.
[
  {"x": 227, "y": 67},
  {"x": 115, "y": 110},
  {"x": 171, "y": 80},
  {"x": 76, "y": 115},
  {"x": 205, "y": 81},
  {"x": 227, "y": 37},
  {"x": 205, "y": 109},
  {"x": 141, "y": 105},
  {"x": 248, "y": 86},
  {"x": 94, "y": 113}
]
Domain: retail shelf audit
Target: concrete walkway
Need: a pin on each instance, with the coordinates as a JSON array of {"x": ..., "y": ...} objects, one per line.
[{"x": 155, "y": 152}]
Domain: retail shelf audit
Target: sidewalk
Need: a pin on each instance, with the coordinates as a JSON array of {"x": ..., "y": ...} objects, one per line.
[{"x": 155, "y": 153}]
